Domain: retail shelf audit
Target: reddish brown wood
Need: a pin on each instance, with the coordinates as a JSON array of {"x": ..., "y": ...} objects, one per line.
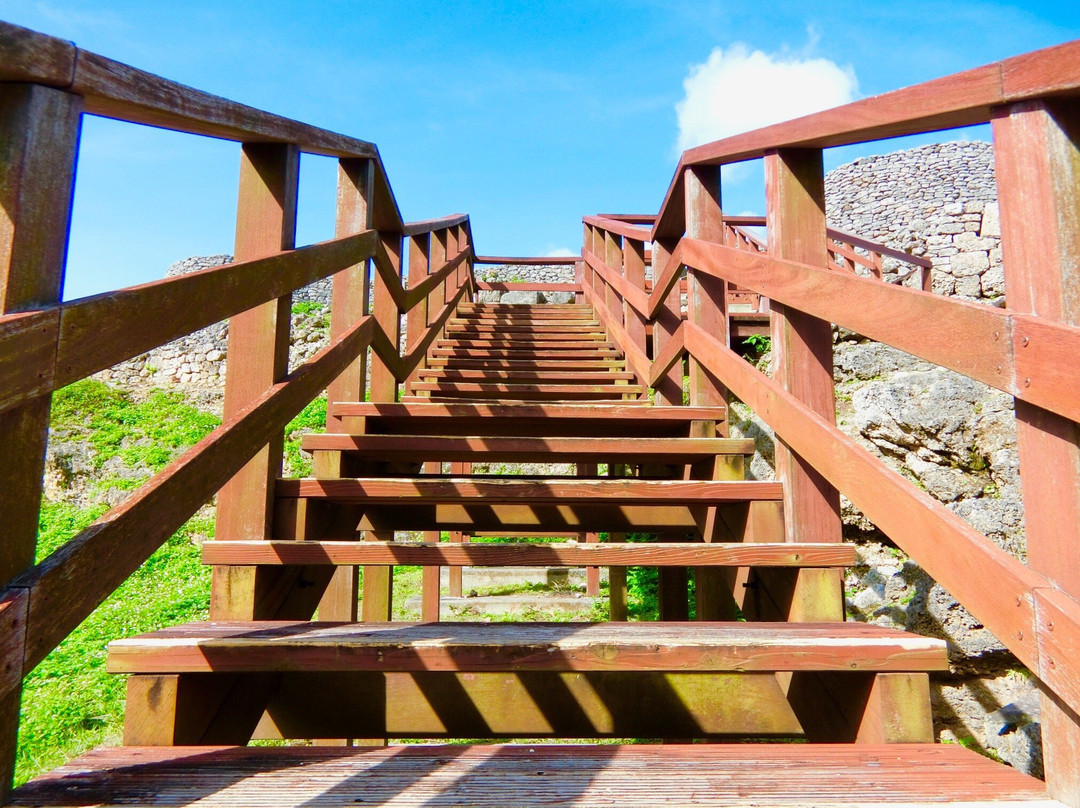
[
  {"x": 696, "y": 776},
  {"x": 526, "y": 555},
  {"x": 1037, "y": 152},
  {"x": 419, "y": 267},
  {"x": 98, "y": 332},
  {"x": 951, "y": 551},
  {"x": 801, "y": 345},
  {"x": 349, "y": 300},
  {"x": 384, "y": 382},
  {"x": 27, "y": 350},
  {"x": 565, "y": 491},
  {"x": 258, "y": 357},
  {"x": 278, "y": 646},
  {"x": 428, "y": 226},
  {"x": 39, "y": 136},
  {"x": 73, "y": 581}
]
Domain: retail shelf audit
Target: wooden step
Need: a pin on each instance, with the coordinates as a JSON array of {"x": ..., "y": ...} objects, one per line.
[
  {"x": 528, "y": 491},
  {"x": 268, "y": 646},
  {"x": 526, "y": 365},
  {"x": 568, "y": 355},
  {"x": 555, "y": 776},
  {"x": 524, "y": 554},
  {"x": 538, "y": 327},
  {"x": 623, "y": 419},
  {"x": 526, "y": 377},
  {"x": 539, "y": 342},
  {"x": 527, "y": 392},
  {"x": 527, "y": 450},
  {"x": 511, "y": 398}
]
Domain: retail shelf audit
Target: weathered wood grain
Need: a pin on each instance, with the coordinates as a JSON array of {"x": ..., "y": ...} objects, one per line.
[
  {"x": 281, "y": 646},
  {"x": 99, "y": 331},
  {"x": 70, "y": 583},
  {"x": 526, "y": 555},
  {"x": 27, "y": 353},
  {"x": 553, "y": 491},
  {"x": 956, "y": 555}
]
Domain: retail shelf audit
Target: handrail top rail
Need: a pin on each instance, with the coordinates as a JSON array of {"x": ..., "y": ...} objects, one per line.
[
  {"x": 113, "y": 89},
  {"x": 961, "y": 99},
  {"x": 420, "y": 227},
  {"x": 620, "y": 225},
  {"x": 536, "y": 260}
]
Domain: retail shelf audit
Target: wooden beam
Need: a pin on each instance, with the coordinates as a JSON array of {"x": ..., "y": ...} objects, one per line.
[
  {"x": 68, "y": 585},
  {"x": 39, "y": 140},
  {"x": 555, "y": 491},
  {"x": 802, "y": 345},
  {"x": 258, "y": 359},
  {"x": 952, "y": 552},
  {"x": 1037, "y": 153},
  {"x": 349, "y": 293},
  {"x": 527, "y": 555},
  {"x": 283, "y": 646}
]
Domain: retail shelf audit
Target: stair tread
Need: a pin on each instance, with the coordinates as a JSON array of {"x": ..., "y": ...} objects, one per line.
[
  {"x": 526, "y": 491},
  {"x": 694, "y": 646},
  {"x": 515, "y": 410},
  {"x": 496, "y": 449},
  {"x": 529, "y": 554},
  {"x": 554, "y": 775}
]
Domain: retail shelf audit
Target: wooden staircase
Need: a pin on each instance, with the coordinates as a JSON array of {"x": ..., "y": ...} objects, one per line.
[
  {"x": 789, "y": 669},
  {"x": 751, "y": 689}
]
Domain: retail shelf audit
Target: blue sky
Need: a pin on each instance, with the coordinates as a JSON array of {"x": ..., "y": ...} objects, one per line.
[{"x": 525, "y": 115}]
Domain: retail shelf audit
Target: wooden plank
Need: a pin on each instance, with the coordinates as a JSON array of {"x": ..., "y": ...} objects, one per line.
[
  {"x": 1037, "y": 154},
  {"x": 541, "y": 519},
  {"x": 39, "y": 138},
  {"x": 27, "y": 56},
  {"x": 527, "y": 287},
  {"x": 549, "y": 260},
  {"x": 528, "y": 555},
  {"x": 528, "y": 450},
  {"x": 115, "y": 90},
  {"x": 13, "y": 611},
  {"x": 27, "y": 354},
  {"x": 526, "y": 377},
  {"x": 553, "y": 491},
  {"x": 957, "y": 556},
  {"x": 99, "y": 331},
  {"x": 416, "y": 321},
  {"x": 540, "y": 392},
  {"x": 74, "y": 580},
  {"x": 281, "y": 646},
  {"x": 801, "y": 345},
  {"x": 518, "y": 411},
  {"x": 619, "y": 228},
  {"x": 427, "y": 226},
  {"x": 349, "y": 292},
  {"x": 385, "y": 310},
  {"x": 635, "y": 296},
  {"x": 533, "y": 705},
  {"x": 973, "y": 339},
  {"x": 574, "y": 776},
  {"x": 258, "y": 351},
  {"x": 706, "y": 297}
]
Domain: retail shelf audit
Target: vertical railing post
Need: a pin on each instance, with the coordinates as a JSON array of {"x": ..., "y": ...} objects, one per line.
[
  {"x": 348, "y": 304},
  {"x": 611, "y": 253},
  {"x": 39, "y": 143},
  {"x": 437, "y": 256},
  {"x": 416, "y": 319},
  {"x": 384, "y": 384},
  {"x": 634, "y": 270},
  {"x": 377, "y": 601},
  {"x": 258, "y": 358},
  {"x": 1037, "y": 153},
  {"x": 802, "y": 345},
  {"x": 669, "y": 389}
]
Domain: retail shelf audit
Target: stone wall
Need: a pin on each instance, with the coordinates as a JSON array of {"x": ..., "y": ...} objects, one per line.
[
  {"x": 501, "y": 273},
  {"x": 937, "y": 201}
]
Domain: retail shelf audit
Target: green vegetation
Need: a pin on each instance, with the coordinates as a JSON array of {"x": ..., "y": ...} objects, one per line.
[
  {"x": 756, "y": 346},
  {"x": 311, "y": 419},
  {"x": 308, "y": 307},
  {"x": 69, "y": 702}
]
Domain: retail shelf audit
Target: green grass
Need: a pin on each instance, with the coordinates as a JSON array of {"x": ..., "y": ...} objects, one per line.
[
  {"x": 69, "y": 702},
  {"x": 311, "y": 419}
]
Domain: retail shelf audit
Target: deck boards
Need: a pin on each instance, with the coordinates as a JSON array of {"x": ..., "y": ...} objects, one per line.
[{"x": 554, "y": 776}]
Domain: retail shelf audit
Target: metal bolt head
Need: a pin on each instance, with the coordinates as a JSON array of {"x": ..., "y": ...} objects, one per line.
[
  {"x": 1025, "y": 341},
  {"x": 1027, "y": 382}
]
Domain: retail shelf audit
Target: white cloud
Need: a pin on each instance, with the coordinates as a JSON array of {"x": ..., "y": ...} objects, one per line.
[
  {"x": 737, "y": 90},
  {"x": 560, "y": 252}
]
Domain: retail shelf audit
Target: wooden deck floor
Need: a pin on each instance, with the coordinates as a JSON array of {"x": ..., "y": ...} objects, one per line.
[{"x": 563, "y": 776}]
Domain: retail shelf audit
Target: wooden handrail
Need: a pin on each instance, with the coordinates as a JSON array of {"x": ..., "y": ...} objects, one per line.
[
  {"x": 116, "y": 90},
  {"x": 530, "y": 261},
  {"x": 69, "y": 584},
  {"x": 97, "y": 332},
  {"x": 431, "y": 225},
  {"x": 962, "y": 99}
]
